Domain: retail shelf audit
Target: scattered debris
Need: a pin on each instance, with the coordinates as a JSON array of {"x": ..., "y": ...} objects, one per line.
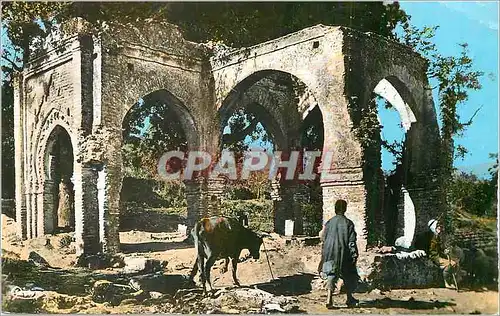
[
  {"x": 37, "y": 260},
  {"x": 48, "y": 244},
  {"x": 155, "y": 295},
  {"x": 142, "y": 265},
  {"x": 30, "y": 294},
  {"x": 106, "y": 291},
  {"x": 377, "y": 292},
  {"x": 408, "y": 298},
  {"x": 272, "y": 307}
]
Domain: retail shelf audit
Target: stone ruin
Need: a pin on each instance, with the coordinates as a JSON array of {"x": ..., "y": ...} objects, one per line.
[{"x": 71, "y": 100}]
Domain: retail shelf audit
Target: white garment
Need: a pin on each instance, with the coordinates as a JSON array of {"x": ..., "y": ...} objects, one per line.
[{"x": 433, "y": 225}]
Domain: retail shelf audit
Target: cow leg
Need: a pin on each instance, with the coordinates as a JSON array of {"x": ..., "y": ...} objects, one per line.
[
  {"x": 208, "y": 266},
  {"x": 226, "y": 265},
  {"x": 201, "y": 267},
  {"x": 193, "y": 271},
  {"x": 234, "y": 261}
]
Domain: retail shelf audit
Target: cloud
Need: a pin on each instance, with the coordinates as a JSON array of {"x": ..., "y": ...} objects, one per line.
[
  {"x": 492, "y": 25},
  {"x": 485, "y": 13}
]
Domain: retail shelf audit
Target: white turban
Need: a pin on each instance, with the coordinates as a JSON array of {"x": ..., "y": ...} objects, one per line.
[{"x": 433, "y": 225}]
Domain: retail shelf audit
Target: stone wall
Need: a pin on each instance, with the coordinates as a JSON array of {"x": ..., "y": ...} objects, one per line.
[
  {"x": 487, "y": 241},
  {"x": 389, "y": 272}
]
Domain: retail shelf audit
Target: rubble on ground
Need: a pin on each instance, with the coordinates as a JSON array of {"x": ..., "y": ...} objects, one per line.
[
  {"x": 37, "y": 260},
  {"x": 137, "y": 264},
  {"x": 233, "y": 300}
]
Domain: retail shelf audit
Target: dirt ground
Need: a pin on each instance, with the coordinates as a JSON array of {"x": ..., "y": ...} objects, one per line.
[{"x": 293, "y": 268}]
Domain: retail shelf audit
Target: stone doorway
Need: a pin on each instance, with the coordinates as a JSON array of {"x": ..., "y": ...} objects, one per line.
[{"x": 59, "y": 194}]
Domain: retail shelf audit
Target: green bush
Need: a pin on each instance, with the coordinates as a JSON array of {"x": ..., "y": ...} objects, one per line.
[
  {"x": 259, "y": 212},
  {"x": 313, "y": 217},
  {"x": 153, "y": 193},
  {"x": 473, "y": 195},
  {"x": 173, "y": 193}
]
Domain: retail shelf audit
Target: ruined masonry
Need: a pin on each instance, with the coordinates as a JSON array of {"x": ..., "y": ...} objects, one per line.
[{"x": 71, "y": 101}]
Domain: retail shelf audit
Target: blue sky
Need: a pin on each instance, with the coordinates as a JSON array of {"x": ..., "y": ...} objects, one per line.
[{"x": 474, "y": 22}]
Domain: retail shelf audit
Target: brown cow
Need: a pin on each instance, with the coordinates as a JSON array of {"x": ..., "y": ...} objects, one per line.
[{"x": 218, "y": 238}]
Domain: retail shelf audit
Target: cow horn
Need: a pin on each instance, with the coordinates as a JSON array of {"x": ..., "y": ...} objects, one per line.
[{"x": 262, "y": 234}]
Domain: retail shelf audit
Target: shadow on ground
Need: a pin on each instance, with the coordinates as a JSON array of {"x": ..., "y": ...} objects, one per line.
[
  {"x": 406, "y": 304},
  {"x": 297, "y": 284},
  {"x": 164, "y": 283},
  {"x": 154, "y": 246},
  {"x": 79, "y": 281},
  {"x": 76, "y": 281}
]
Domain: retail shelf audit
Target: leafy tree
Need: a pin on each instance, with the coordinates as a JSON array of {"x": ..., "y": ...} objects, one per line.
[
  {"x": 240, "y": 24},
  {"x": 456, "y": 77},
  {"x": 150, "y": 129},
  {"x": 243, "y": 123},
  {"x": 474, "y": 195}
]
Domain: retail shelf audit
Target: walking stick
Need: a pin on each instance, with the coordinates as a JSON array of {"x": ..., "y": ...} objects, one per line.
[{"x": 268, "y": 263}]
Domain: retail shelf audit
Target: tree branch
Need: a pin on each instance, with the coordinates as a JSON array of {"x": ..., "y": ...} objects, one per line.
[
  {"x": 234, "y": 137},
  {"x": 469, "y": 122},
  {"x": 16, "y": 67}
]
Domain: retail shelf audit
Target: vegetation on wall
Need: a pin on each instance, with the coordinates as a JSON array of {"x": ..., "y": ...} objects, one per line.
[{"x": 455, "y": 77}]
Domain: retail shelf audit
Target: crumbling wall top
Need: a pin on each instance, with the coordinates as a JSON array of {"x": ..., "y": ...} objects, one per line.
[
  {"x": 232, "y": 55},
  {"x": 227, "y": 55},
  {"x": 377, "y": 47},
  {"x": 157, "y": 35}
]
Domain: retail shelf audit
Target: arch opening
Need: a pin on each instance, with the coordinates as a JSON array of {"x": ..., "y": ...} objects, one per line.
[
  {"x": 274, "y": 111},
  {"x": 251, "y": 119},
  {"x": 59, "y": 196},
  {"x": 312, "y": 139},
  {"x": 155, "y": 124},
  {"x": 390, "y": 164}
]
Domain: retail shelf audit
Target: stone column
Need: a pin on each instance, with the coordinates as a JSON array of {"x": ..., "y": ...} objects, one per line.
[
  {"x": 347, "y": 185},
  {"x": 48, "y": 206},
  {"x": 29, "y": 209},
  {"x": 64, "y": 208},
  {"x": 422, "y": 160},
  {"x": 421, "y": 163},
  {"x": 342, "y": 161},
  {"x": 34, "y": 210},
  {"x": 279, "y": 216},
  {"x": 195, "y": 202},
  {"x": 19, "y": 154},
  {"x": 300, "y": 198},
  {"x": 86, "y": 209},
  {"x": 215, "y": 189},
  {"x": 41, "y": 211},
  {"x": 109, "y": 188}
]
